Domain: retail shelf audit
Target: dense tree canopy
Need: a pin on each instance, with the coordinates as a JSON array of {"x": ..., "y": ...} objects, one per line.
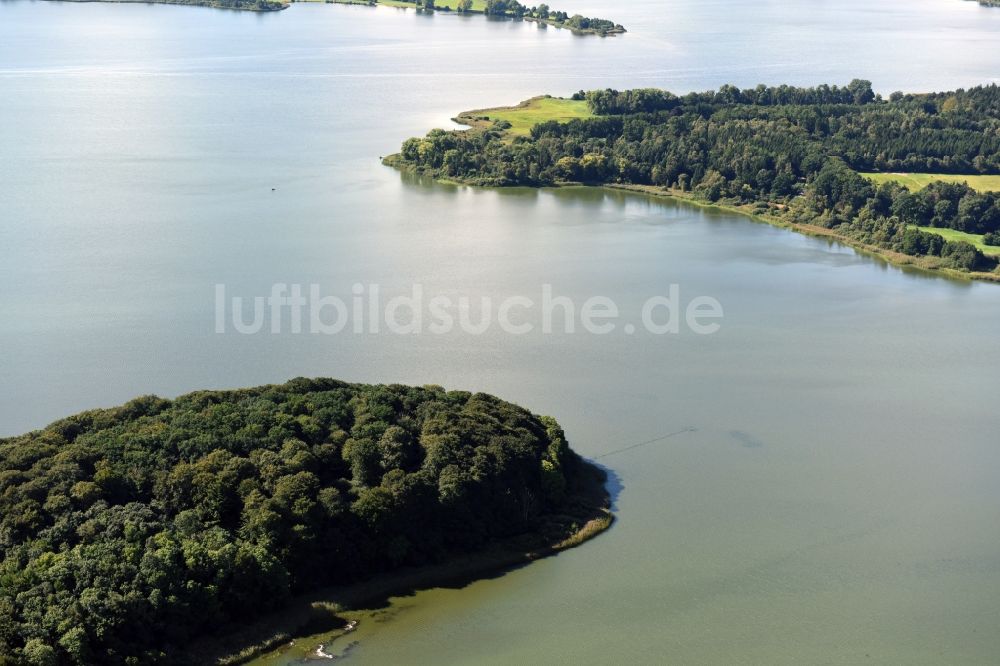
[
  {"x": 797, "y": 151},
  {"x": 126, "y": 532},
  {"x": 541, "y": 13}
]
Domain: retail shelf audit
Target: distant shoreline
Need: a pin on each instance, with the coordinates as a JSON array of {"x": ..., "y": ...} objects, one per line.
[
  {"x": 606, "y": 29},
  {"x": 279, "y": 5},
  {"x": 238, "y": 5}
]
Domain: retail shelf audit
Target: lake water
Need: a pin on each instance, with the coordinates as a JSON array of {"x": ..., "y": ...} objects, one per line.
[{"x": 837, "y": 501}]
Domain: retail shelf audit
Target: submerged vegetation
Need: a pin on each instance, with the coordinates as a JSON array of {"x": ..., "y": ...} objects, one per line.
[
  {"x": 793, "y": 155},
  {"x": 128, "y": 532}
]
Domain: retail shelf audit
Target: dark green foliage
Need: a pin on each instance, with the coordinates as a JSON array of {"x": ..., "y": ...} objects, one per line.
[
  {"x": 964, "y": 256},
  {"x": 514, "y": 9},
  {"x": 127, "y": 532},
  {"x": 992, "y": 238},
  {"x": 795, "y": 152}
]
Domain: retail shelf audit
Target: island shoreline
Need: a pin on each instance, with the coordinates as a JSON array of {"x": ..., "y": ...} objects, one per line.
[{"x": 322, "y": 610}]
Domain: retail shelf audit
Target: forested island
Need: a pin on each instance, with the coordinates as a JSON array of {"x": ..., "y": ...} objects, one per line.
[
  {"x": 809, "y": 158},
  {"x": 127, "y": 533}
]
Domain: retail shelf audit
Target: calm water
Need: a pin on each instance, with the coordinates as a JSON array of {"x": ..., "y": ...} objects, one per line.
[{"x": 837, "y": 502}]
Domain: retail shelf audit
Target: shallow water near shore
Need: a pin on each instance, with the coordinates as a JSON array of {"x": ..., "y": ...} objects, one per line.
[{"x": 835, "y": 500}]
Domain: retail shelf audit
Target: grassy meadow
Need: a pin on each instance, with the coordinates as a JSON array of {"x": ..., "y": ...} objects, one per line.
[
  {"x": 527, "y": 114},
  {"x": 975, "y": 239},
  {"x": 918, "y": 181}
]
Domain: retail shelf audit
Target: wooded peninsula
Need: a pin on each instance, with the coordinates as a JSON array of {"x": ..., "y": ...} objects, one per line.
[
  {"x": 829, "y": 160},
  {"x": 127, "y": 533}
]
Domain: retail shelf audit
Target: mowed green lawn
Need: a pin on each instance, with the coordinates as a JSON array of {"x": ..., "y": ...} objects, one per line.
[
  {"x": 477, "y": 5},
  {"x": 918, "y": 181},
  {"x": 975, "y": 239},
  {"x": 539, "y": 110}
]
